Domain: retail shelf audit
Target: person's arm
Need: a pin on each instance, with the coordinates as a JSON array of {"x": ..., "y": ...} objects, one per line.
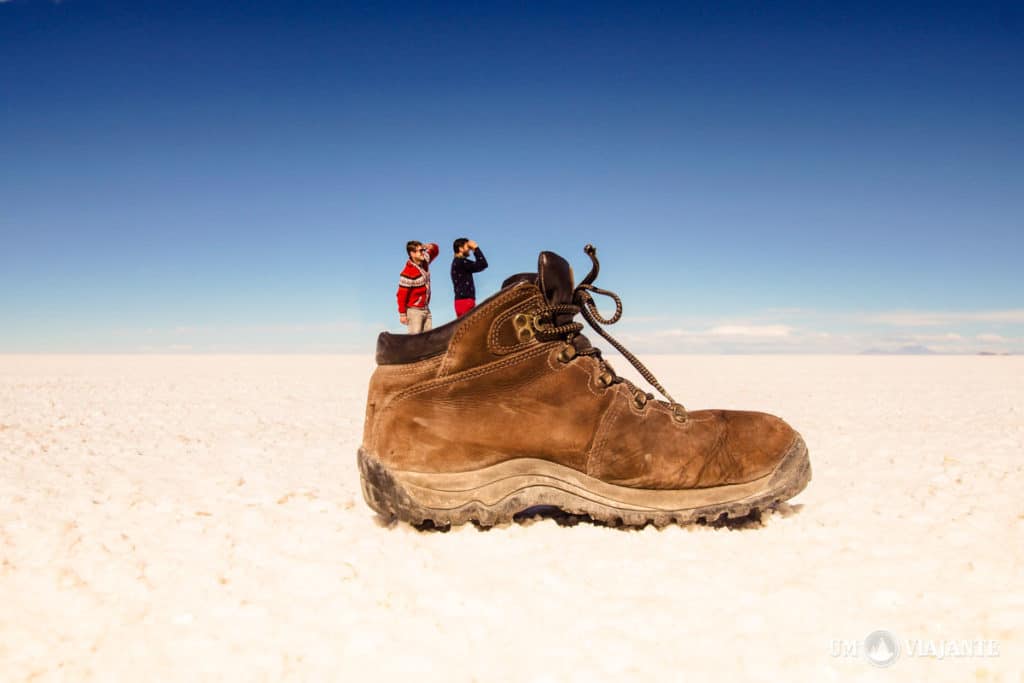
[
  {"x": 433, "y": 250},
  {"x": 403, "y": 299},
  {"x": 478, "y": 263}
]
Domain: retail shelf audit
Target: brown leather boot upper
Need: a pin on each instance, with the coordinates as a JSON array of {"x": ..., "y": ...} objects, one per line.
[{"x": 495, "y": 385}]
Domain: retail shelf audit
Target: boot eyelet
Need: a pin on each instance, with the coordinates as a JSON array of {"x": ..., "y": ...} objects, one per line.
[
  {"x": 567, "y": 353},
  {"x": 679, "y": 414},
  {"x": 522, "y": 324},
  {"x": 640, "y": 400},
  {"x": 539, "y": 324},
  {"x": 605, "y": 379}
]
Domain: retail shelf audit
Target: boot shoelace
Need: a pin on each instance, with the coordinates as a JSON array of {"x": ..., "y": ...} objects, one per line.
[{"x": 583, "y": 303}]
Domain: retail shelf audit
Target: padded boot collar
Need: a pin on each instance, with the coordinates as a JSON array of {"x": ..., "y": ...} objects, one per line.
[{"x": 396, "y": 349}]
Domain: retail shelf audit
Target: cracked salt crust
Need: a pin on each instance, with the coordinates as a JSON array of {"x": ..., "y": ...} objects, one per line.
[{"x": 199, "y": 518}]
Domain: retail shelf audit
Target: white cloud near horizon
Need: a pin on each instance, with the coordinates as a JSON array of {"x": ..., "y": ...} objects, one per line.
[
  {"x": 802, "y": 330},
  {"x": 730, "y": 337},
  {"x": 718, "y": 331},
  {"x": 933, "y": 318},
  {"x": 930, "y": 338},
  {"x": 763, "y": 331}
]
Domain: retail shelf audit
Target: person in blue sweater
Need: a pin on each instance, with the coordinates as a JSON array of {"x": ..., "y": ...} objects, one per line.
[{"x": 462, "y": 273}]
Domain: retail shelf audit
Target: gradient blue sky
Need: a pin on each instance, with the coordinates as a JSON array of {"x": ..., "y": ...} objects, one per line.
[{"x": 757, "y": 176}]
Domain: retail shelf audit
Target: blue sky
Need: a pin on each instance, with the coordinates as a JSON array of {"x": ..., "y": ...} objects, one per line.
[{"x": 806, "y": 177}]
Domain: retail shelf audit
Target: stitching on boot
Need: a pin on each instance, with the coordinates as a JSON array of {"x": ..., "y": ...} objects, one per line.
[
  {"x": 404, "y": 368},
  {"x": 642, "y": 414},
  {"x": 601, "y": 437},
  {"x": 441, "y": 380},
  {"x": 492, "y": 338},
  {"x": 466, "y": 327},
  {"x": 554, "y": 363},
  {"x": 419, "y": 367},
  {"x": 589, "y": 380},
  {"x": 478, "y": 371},
  {"x": 685, "y": 426}
]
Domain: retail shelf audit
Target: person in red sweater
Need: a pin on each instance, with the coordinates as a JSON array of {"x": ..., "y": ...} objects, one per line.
[{"x": 414, "y": 287}]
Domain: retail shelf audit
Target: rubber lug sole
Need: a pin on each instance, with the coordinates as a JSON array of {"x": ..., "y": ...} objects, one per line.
[{"x": 509, "y": 490}]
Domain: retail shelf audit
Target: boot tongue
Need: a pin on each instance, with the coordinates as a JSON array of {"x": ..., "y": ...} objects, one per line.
[
  {"x": 555, "y": 281},
  {"x": 554, "y": 277}
]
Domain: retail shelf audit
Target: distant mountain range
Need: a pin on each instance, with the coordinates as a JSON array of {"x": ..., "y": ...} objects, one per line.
[
  {"x": 919, "y": 350},
  {"x": 906, "y": 350}
]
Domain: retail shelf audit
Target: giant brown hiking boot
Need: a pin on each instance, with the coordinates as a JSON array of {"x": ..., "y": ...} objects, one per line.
[{"x": 510, "y": 407}]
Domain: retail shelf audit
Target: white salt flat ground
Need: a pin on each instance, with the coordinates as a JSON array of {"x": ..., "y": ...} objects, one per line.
[{"x": 194, "y": 518}]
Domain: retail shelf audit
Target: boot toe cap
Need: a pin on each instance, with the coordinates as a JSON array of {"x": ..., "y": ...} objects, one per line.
[{"x": 754, "y": 444}]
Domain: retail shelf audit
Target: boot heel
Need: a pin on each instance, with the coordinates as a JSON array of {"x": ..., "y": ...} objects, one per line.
[{"x": 385, "y": 495}]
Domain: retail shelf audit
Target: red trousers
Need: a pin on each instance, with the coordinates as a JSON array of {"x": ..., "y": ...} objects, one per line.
[{"x": 462, "y": 306}]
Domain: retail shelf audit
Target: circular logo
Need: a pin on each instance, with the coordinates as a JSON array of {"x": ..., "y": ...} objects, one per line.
[{"x": 881, "y": 648}]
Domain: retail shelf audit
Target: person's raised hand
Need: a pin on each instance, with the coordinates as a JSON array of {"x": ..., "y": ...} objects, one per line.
[{"x": 472, "y": 244}]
